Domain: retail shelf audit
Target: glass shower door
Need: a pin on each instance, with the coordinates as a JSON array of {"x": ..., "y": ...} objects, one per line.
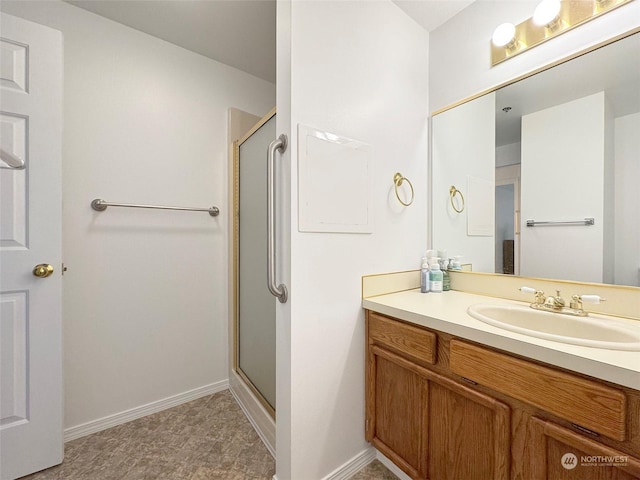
[{"x": 256, "y": 307}]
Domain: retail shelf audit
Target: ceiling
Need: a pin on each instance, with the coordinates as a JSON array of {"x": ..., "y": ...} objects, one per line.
[
  {"x": 430, "y": 14},
  {"x": 613, "y": 69},
  {"x": 239, "y": 33}
]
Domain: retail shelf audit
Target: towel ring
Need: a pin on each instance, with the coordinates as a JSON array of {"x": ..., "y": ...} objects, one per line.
[
  {"x": 397, "y": 181},
  {"x": 453, "y": 191}
]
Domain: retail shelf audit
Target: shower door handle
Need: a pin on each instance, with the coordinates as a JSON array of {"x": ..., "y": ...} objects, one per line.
[{"x": 279, "y": 291}]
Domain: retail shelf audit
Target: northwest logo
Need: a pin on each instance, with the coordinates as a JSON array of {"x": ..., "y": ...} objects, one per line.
[{"x": 569, "y": 461}]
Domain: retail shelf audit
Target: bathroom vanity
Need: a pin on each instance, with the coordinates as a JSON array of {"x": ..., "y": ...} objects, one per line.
[
  {"x": 472, "y": 386},
  {"x": 448, "y": 397}
]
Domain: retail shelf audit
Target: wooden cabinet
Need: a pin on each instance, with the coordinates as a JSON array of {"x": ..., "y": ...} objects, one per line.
[
  {"x": 430, "y": 425},
  {"x": 397, "y": 413},
  {"x": 469, "y": 434},
  {"x": 563, "y": 454},
  {"x": 443, "y": 408}
]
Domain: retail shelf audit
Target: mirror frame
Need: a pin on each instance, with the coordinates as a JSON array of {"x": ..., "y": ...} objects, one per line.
[{"x": 495, "y": 88}]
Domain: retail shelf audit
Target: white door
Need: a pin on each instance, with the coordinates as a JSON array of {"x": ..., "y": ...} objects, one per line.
[
  {"x": 581, "y": 167},
  {"x": 30, "y": 234}
]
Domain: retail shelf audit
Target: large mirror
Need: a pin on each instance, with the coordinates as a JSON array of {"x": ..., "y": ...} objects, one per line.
[{"x": 546, "y": 172}]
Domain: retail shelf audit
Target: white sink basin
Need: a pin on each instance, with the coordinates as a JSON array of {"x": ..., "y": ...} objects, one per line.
[{"x": 592, "y": 331}]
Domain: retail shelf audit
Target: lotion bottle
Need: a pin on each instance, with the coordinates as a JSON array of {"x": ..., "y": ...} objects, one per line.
[
  {"x": 446, "y": 278},
  {"x": 435, "y": 276}
]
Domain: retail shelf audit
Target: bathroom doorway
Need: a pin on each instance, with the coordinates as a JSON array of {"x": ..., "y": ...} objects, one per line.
[
  {"x": 254, "y": 308},
  {"x": 507, "y": 224}
]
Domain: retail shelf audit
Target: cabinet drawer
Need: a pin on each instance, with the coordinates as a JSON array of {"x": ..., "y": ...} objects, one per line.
[
  {"x": 587, "y": 403},
  {"x": 407, "y": 340}
]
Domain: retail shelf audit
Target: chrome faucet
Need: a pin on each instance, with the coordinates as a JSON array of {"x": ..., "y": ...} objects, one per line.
[{"x": 557, "y": 304}]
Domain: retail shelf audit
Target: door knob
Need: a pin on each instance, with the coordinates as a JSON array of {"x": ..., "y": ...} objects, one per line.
[{"x": 43, "y": 270}]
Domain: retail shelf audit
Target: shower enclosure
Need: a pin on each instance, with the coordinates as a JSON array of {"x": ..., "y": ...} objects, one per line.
[{"x": 254, "y": 359}]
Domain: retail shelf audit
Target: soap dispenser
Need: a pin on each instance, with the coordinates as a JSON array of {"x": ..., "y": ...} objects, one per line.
[{"x": 435, "y": 276}]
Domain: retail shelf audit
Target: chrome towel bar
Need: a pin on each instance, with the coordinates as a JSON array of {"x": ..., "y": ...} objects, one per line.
[
  {"x": 585, "y": 222},
  {"x": 101, "y": 205}
]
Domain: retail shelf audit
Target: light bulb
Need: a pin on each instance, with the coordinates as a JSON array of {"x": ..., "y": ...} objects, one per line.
[
  {"x": 503, "y": 35},
  {"x": 546, "y": 12}
]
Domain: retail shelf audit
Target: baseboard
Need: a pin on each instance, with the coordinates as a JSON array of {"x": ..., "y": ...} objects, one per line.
[
  {"x": 259, "y": 418},
  {"x": 353, "y": 466},
  {"x": 392, "y": 466},
  {"x": 357, "y": 463},
  {"x": 103, "y": 423}
]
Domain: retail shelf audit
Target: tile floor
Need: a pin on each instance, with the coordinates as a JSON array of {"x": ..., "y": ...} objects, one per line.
[
  {"x": 208, "y": 438},
  {"x": 374, "y": 471}
]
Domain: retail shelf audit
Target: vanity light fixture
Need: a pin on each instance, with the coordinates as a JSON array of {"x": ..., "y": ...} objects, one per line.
[
  {"x": 550, "y": 18},
  {"x": 504, "y": 36},
  {"x": 547, "y": 14}
]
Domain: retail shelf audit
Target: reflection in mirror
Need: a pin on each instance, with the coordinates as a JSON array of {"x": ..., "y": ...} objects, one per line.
[{"x": 555, "y": 148}]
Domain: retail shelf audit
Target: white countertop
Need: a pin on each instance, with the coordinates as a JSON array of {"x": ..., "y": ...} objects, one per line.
[{"x": 447, "y": 312}]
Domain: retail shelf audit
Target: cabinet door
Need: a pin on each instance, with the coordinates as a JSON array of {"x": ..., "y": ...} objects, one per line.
[
  {"x": 397, "y": 398},
  {"x": 434, "y": 427},
  {"x": 561, "y": 454},
  {"x": 469, "y": 433}
]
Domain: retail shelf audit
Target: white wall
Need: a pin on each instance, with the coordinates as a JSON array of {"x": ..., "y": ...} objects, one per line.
[
  {"x": 459, "y": 55},
  {"x": 627, "y": 199},
  {"x": 357, "y": 69},
  {"x": 508, "y": 154},
  {"x": 454, "y": 161},
  {"x": 608, "y": 235},
  {"x": 563, "y": 166},
  {"x": 284, "y": 380},
  {"x": 145, "y": 297}
]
